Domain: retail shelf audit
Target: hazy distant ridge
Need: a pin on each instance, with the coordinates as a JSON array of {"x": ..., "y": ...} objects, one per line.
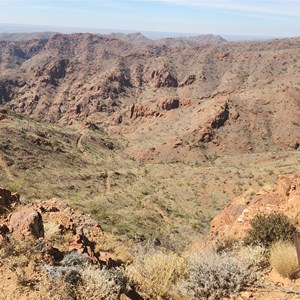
[{"x": 132, "y": 38}]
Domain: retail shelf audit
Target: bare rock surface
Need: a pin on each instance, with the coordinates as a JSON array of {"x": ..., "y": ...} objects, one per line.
[
  {"x": 25, "y": 223},
  {"x": 233, "y": 221}
]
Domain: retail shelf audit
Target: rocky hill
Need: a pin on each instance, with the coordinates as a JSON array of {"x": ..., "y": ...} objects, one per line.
[
  {"x": 224, "y": 99},
  {"x": 193, "y": 118}
]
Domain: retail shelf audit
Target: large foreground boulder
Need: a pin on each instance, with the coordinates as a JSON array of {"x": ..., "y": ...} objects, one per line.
[{"x": 26, "y": 223}]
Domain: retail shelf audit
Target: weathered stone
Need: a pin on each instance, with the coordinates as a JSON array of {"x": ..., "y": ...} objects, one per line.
[{"x": 27, "y": 222}]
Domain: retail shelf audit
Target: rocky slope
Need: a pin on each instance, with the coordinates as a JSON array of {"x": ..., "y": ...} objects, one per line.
[
  {"x": 50, "y": 251},
  {"x": 167, "y": 101}
]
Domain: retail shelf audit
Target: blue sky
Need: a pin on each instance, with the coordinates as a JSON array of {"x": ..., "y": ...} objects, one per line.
[{"x": 239, "y": 17}]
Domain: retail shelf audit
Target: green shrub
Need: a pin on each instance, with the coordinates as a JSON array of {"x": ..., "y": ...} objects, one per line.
[{"x": 267, "y": 229}]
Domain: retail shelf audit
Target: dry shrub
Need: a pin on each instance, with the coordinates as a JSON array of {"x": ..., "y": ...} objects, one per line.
[
  {"x": 100, "y": 284},
  {"x": 154, "y": 272},
  {"x": 51, "y": 230},
  {"x": 54, "y": 289},
  {"x": 213, "y": 275},
  {"x": 283, "y": 259},
  {"x": 257, "y": 255},
  {"x": 81, "y": 280}
]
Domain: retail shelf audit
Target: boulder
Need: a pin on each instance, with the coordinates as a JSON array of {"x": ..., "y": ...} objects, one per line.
[{"x": 26, "y": 223}]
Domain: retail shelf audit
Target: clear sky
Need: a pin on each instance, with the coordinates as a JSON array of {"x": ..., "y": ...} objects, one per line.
[{"x": 238, "y": 17}]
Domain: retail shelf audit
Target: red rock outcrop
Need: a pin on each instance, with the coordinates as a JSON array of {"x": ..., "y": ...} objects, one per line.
[
  {"x": 81, "y": 229},
  {"x": 233, "y": 221},
  {"x": 24, "y": 223},
  {"x": 168, "y": 104},
  {"x": 188, "y": 81},
  {"x": 139, "y": 110},
  {"x": 163, "y": 78}
]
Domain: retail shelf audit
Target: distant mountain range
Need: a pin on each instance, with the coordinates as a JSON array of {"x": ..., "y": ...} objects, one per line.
[
  {"x": 35, "y": 30},
  {"x": 132, "y": 38}
]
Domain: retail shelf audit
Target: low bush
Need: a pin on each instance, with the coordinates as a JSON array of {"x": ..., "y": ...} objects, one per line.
[
  {"x": 78, "y": 279},
  {"x": 267, "y": 229},
  {"x": 101, "y": 284},
  {"x": 283, "y": 258},
  {"x": 213, "y": 275},
  {"x": 258, "y": 256}
]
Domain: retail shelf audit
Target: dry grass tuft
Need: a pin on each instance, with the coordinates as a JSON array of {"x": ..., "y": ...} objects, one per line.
[
  {"x": 283, "y": 259},
  {"x": 155, "y": 272},
  {"x": 52, "y": 230}
]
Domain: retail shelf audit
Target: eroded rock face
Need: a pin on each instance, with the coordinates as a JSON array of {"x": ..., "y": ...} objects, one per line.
[
  {"x": 168, "y": 104},
  {"x": 82, "y": 244},
  {"x": 25, "y": 223},
  {"x": 188, "y": 81},
  {"x": 163, "y": 78},
  {"x": 139, "y": 110},
  {"x": 234, "y": 220}
]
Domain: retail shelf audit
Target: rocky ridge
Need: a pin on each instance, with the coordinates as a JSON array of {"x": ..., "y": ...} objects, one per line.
[{"x": 80, "y": 78}]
